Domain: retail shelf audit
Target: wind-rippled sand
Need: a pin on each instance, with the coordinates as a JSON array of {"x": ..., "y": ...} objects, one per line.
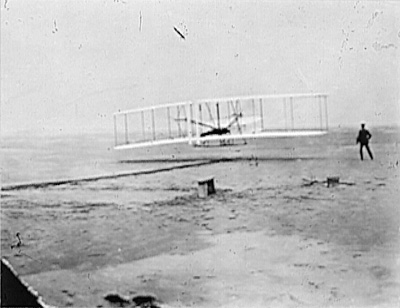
[{"x": 268, "y": 237}]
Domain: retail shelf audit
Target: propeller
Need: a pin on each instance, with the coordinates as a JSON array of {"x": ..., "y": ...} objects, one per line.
[{"x": 236, "y": 116}]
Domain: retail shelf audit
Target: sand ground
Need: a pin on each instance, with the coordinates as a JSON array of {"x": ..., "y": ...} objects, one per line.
[{"x": 266, "y": 238}]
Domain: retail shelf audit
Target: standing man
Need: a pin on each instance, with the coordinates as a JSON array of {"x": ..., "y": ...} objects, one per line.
[{"x": 363, "y": 138}]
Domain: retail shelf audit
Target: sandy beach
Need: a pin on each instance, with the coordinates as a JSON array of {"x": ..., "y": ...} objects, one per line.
[{"x": 269, "y": 237}]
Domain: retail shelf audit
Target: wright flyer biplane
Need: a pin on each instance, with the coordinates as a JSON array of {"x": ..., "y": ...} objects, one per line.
[{"x": 223, "y": 121}]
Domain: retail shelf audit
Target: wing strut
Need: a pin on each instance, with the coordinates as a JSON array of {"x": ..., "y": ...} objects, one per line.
[
  {"x": 326, "y": 111},
  {"x": 153, "y": 124},
  {"x": 218, "y": 120},
  {"x": 126, "y": 127},
  {"x": 261, "y": 115},
  {"x": 291, "y": 112},
  {"x": 253, "y": 107},
  {"x": 143, "y": 126},
  {"x": 115, "y": 130}
]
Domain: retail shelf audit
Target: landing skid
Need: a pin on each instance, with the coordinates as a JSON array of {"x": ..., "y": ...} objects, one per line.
[{"x": 220, "y": 143}]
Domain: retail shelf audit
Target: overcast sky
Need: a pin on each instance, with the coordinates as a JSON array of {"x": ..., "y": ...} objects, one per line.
[{"x": 68, "y": 65}]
